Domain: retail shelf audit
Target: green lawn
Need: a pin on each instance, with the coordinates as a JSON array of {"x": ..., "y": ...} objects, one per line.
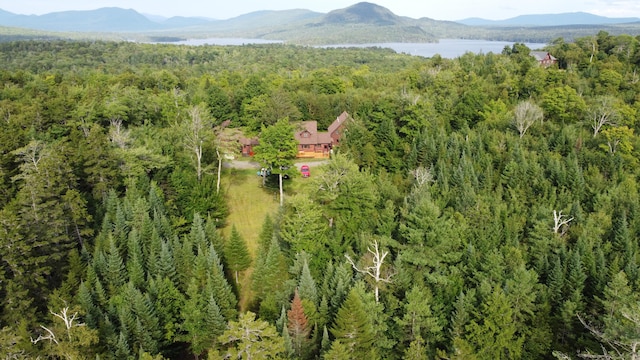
[{"x": 249, "y": 203}]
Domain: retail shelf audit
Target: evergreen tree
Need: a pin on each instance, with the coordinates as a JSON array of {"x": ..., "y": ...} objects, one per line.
[
  {"x": 494, "y": 334},
  {"x": 298, "y": 327},
  {"x": 416, "y": 350},
  {"x": 339, "y": 351},
  {"x": 168, "y": 302},
  {"x": 237, "y": 254},
  {"x": 268, "y": 281},
  {"x": 306, "y": 284},
  {"x": 353, "y": 327},
  {"x": 195, "y": 321},
  {"x": 419, "y": 319}
]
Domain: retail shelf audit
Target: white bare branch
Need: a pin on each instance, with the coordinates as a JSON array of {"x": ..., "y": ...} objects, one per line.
[
  {"x": 375, "y": 270},
  {"x": 559, "y": 220},
  {"x": 619, "y": 349},
  {"x": 68, "y": 321},
  {"x": 49, "y": 336},
  {"x": 525, "y": 114},
  {"x": 602, "y": 113},
  {"x": 423, "y": 175},
  {"x": 117, "y": 134}
]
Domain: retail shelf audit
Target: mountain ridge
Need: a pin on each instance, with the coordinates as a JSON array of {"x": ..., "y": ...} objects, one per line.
[
  {"x": 362, "y": 22},
  {"x": 561, "y": 19}
]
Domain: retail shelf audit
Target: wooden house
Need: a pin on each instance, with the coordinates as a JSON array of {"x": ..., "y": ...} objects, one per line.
[
  {"x": 318, "y": 144},
  {"x": 311, "y": 142},
  {"x": 544, "y": 58}
]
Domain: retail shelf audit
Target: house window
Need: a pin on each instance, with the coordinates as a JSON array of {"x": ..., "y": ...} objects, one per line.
[
  {"x": 305, "y": 134},
  {"x": 305, "y": 146}
]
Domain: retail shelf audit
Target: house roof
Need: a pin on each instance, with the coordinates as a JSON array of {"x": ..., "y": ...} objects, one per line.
[
  {"x": 338, "y": 122},
  {"x": 542, "y": 55},
  {"x": 324, "y": 138},
  {"x": 247, "y": 141},
  {"x": 310, "y": 128},
  {"x": 314, "y": 136}
]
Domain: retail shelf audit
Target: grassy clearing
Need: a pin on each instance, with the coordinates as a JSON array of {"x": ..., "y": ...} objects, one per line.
[{"x": 248, "y": 203}]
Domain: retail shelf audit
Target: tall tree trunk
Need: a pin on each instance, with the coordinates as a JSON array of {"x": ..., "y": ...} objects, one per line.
[
  {"x": 219, "y": 170},
  {"x": 281, "y": 192}
]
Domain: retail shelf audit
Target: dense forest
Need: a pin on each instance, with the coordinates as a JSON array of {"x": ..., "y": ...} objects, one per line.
[{"x": 483, "y": 207}]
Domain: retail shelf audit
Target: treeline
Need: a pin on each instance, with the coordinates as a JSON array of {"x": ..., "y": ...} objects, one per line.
[{"x": 482, "y": 207}]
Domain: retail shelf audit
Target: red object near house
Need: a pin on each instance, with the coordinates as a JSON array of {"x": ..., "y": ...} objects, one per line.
[
  {"x": 247, "y": 146},
  {"x": 304, "y": 170}
]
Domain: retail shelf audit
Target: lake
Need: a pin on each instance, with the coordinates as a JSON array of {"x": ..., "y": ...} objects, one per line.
[{"x": 447, "y": 48}]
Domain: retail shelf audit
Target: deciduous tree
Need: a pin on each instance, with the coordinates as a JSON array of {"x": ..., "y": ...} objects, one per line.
[
  {"x": 249, "y": 338},
  {"x": 277, "y": 150}
]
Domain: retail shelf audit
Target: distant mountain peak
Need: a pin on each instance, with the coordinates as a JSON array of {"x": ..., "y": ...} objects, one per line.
[
  {"x": 562, "y": 19},
  {"x": 364, "y": 13}
]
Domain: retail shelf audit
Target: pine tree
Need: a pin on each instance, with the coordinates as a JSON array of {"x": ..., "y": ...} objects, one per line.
[
  {"x": 194, "y": 323},
  {"x": 168, "y": 302},
  {"x": 115, "y": 271},
  {"x": 339, "y": 351},
  {"x": 494, "y": 333},
  {"x": 299, "y": 327},
  {"x": 213, "y": 235},
  {"x": 268, "y": 281},
  {"x": 419, "y": 318},
  {"x": 166, "y": 265},
  {"x": 618, "y": 298},
  {"x": 135, "y": 267},
  {"x": 303, "y": 229},
  {"x": 264, "y": 240},
  {"x": 216, "y": 284},
  {"x": 416, "y": 350},
  {"x": 325, "y": 344},
  {"x": 353, "y": 327},
  {"x": 237, "y": 254},
  {"x": 306, "y": 285}
]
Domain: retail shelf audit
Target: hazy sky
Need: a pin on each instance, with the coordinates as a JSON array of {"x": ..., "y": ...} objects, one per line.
[{"x": 439, "y": 10}]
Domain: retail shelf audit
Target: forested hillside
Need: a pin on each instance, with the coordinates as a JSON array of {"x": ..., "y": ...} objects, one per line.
[{"x": 484, "y": 207}]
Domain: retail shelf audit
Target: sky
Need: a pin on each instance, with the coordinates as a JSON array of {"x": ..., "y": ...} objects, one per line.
[{"x": 438, "y": 10}]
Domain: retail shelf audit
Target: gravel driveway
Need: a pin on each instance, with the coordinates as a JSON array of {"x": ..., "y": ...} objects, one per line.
[{"x": 247, "y": 164}]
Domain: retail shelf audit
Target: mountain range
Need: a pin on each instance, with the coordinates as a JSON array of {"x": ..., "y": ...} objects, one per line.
[{"x": 360, "y": 23}]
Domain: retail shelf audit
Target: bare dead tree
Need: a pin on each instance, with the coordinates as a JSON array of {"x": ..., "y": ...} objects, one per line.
[
  {"x": 525, "y": 114},
  {"x": 423, "y": 175},
  {"x": 218, "y": 140},
  {"x": 67, "y": 320},
  {"x": 560, "y": 220},
  {"x": 375, "y": 270},
  {"x": 196, "y": 127},
  {"x": 117, "y": 134},
  {"x": 31, "y": 155},
  {"x": 49, "y": 336},
  {"x": 603, "y": 113},
  {"x": 619, "y": 348}
]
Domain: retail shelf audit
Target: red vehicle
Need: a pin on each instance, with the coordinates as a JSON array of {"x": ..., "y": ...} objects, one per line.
[{"x": 304, "y": 170}]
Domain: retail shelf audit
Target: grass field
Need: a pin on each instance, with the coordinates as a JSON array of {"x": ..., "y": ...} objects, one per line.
[{"x": 249, "y": 203}]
